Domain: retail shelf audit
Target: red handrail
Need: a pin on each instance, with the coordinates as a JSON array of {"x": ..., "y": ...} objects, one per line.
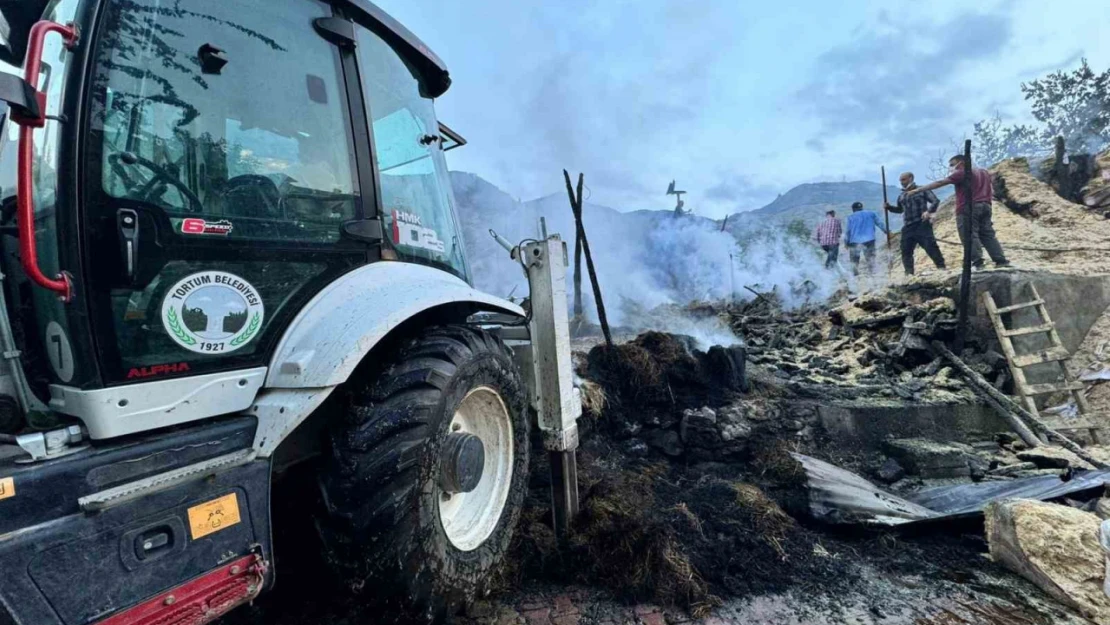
[{"x": 25, "y": 202}]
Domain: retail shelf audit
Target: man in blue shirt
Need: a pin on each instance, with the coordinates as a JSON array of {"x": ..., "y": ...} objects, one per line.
[{"x": 859, "y": 235}]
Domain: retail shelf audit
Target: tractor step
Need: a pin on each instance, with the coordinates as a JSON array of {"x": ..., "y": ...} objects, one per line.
[{"x": 201, "y": 600}]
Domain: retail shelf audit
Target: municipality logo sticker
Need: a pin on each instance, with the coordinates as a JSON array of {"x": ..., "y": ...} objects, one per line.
[{"x": 212, "y": 312}]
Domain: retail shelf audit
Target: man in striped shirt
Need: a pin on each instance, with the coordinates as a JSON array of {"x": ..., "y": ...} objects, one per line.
[
  {"x": 828, "y": 237},
  {"x": 918, "y": 211}
]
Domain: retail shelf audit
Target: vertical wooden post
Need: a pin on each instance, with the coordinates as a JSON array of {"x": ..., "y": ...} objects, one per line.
[
  {"x": 969, "y": 232},
  {"x": 1061, "y": 170},
  {"x": 731, "y": 279},
  {"x": 576, "y": 206},
  {"x": 886, "y": 215},
  {"x": 577, "y": 276}
]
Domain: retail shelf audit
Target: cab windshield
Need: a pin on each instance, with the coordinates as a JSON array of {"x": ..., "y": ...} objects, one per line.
[
  {"x": 195, "y": 120},
  {"x": 238, "y": 128}
]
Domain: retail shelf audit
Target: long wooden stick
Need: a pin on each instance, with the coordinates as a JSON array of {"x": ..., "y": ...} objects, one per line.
[
  {"x": 577, "y": 276},
  {"x": 969, "y": 232},
  {"x": 886, "y": 215},
  {"x": 576, "y": 206},
  {"x": 1009, "y": 406}
]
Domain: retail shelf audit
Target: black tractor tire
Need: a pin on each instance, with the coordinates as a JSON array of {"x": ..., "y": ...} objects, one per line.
[{"x": 382, "y": 529}]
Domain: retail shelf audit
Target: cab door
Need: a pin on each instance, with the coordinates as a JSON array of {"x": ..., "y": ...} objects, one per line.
[{"x": 220, "y": 180}]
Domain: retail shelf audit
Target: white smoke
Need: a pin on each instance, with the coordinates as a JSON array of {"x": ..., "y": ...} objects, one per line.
[{"x": 650, "y": 264}]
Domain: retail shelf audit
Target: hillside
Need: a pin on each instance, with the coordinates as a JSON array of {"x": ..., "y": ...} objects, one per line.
[{"x": 808, "y": 202}]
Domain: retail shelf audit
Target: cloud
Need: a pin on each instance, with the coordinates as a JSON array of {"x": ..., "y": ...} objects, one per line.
[
  {"x": 816, "y": 145},
  {"x": 902, "y": 77},
  {"x": 737, "y": 193}
]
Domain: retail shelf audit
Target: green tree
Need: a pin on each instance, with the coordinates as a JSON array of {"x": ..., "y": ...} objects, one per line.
[
  {"x": 1075, "y": 105},
  {"x": 1072, "y": 104},
  {"x": 995, "y": 142}
]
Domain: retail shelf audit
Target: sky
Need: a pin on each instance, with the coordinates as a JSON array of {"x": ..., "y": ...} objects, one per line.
[{"x": 737, "y": 101}]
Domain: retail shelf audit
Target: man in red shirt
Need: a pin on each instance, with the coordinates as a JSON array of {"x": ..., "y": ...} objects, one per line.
[{"x": 981, "y": 227}]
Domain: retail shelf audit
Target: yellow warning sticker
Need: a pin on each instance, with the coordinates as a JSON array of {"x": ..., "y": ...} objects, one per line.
[
  {"x": 7, "y": 487},
  {"x": 213, "y": 516}
]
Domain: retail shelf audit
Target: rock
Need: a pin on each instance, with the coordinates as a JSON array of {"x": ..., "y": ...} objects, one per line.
[
  {"x": 1011, "y": 469},
  {"x": 1102, "y": 508},
  {"x": 1037, "y": 473},
  {"x": 734, "y": 432},
  {"x": 994, "y": 360},
  {"x": 636, "y": 448},
  {"x": 629, "y": 428},
  {"x": 666, "y": 441},
  {"x": 732, "y": 413},
  {"x": 1055, "y": 547},
  {"x": 699, "y": 428},
  {"x": 930, "y": 459},
  {"x": 1048, "y": 457},
  {"x": 661, "y": 421},
  {"x": 985, "y": 446},
  {"x": 803, "y": 411},
  {"x": 890, "y": 471},
  {"x": 977, "y": 466},
  {"x": 726, "y": 365}
]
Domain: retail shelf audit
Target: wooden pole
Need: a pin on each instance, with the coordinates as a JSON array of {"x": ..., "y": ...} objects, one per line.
[
  {"x": 576, "y": 206},
  {"x": 1061, "y": 173},
  {"x": 731, "y": 279},
  {"x": 969, "y": 231},
  {"x": 577, "y": 276},
  {"x": 886, "y": 215},
  {"x": 984, "y": 386}
]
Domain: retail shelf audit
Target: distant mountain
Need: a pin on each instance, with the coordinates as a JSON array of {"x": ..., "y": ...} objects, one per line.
[
  {"x": 645, "y": 258},
  {"x": 635, "y": 252},
  {"x": 820, "y": 194},
  {"x": 809, "y": 202}
]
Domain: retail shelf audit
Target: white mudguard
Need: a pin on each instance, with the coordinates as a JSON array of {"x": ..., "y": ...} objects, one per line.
[
  {"x": 338, "y": 328},
  {"x": 335, "y": 331}
]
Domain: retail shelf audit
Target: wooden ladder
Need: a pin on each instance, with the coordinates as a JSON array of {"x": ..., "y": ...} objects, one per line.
[{"x": 1056, "y": 353}]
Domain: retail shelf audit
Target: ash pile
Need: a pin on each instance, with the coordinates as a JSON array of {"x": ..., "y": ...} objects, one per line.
[
  {"x": 873, "y": 346},
  {"x": 697, "y": 488},
  {"x": 691, "y": 494},
  {"x": 686, "y": 490}
]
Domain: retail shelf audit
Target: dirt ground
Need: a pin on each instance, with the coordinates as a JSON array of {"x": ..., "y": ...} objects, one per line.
[
  {"x": 715, "y": 533},
  {"x": 874, "y": 578}
]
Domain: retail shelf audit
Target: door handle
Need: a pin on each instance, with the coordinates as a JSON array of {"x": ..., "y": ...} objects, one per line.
[
  {"x": 28, "y": 254},
  {"x": 127, "y": 221}
]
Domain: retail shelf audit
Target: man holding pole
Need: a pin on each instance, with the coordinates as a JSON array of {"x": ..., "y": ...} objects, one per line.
[
  {"x": 860, "y": 236},
  {"x": 918, "y": 210},
  {"x": 981, "y": 227}
]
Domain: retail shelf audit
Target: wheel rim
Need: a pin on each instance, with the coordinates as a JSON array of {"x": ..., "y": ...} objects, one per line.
[{"x": 468, "y": 519}]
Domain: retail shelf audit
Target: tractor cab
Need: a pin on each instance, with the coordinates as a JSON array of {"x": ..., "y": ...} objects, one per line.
[
  {"x": 203, "y": 170},
  {"x": 231, "y": 266}
]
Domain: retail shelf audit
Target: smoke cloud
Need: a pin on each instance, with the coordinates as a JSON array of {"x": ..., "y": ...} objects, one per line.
[{"x": 650, "y": 264}]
